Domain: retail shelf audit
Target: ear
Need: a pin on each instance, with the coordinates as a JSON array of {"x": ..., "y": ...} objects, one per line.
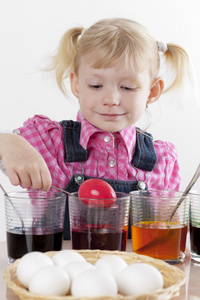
[
  {"x": 156, "y": 90},
  {"x": 74, "y": 85}
]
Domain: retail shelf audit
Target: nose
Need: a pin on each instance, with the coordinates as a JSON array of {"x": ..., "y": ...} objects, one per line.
[{"x": 111, "y": 97}]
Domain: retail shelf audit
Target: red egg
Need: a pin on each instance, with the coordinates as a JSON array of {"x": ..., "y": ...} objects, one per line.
[{"x": 97, "y": 192}]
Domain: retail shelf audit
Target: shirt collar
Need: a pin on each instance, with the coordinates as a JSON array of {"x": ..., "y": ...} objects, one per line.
[
  {"x": 87, "y": 130},
  {"x": 129, "y": 136}
]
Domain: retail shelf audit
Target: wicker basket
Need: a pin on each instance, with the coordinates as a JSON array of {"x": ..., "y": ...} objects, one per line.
[{"x": 173, "y": 278}]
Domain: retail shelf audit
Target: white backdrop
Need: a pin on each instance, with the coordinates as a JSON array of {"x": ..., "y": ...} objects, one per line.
[{"x": 30, "y": 31}]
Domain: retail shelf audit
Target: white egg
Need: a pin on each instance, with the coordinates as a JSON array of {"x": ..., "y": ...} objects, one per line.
[
  {"x": 111, "y": 264},
  {"x": 77, "y": 267},
  {"x": 94, "y": 283},
  {"x": 50, "y": 280},
  {"x": 139, "y": 278},
  {"x": 29, "y": 264},
  {"x": 64, "y": 257}
]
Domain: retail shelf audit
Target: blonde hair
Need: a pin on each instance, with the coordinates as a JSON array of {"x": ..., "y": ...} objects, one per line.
[{"x": 115, "y": 41}]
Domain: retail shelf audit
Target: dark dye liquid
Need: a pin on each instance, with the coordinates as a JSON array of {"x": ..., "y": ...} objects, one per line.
[
  {"x": 101, "y": 241},
  {"x": 20, "y": 244},
  {"x": 195, "y": 239}
]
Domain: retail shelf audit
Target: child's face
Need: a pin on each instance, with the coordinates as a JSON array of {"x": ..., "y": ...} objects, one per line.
[{"x": 112, "y": 98}]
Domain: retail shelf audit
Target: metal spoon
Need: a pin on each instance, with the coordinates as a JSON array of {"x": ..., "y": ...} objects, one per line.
[
  {"x": 56, "y": 188},
  {"x": 23, "y": 228},
  {"x": 188, "y": 188},
  {"x": 165, "y": 236}
]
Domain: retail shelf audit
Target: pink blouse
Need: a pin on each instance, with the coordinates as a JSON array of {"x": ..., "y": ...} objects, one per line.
[{"x": 109, "y": 155}]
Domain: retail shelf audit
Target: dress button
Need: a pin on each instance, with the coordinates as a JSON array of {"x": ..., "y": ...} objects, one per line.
[
  {"x": 106, "y": 138},
  {"x": 112, "y": 163},
  {"x": 141, "y": 185}
]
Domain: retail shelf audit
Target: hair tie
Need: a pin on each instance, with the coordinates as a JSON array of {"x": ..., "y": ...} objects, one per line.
[
  {"x": 83, "y": 31},
  {"x": 162, "y": 47}
]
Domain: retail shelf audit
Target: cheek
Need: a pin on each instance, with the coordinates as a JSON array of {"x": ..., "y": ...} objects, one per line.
[
  {"x": 137, "y": 105},
  {"x": 136, "y": 109},
  {"x": 86, "y": 108},
  {"x": 84, "y": 104}
]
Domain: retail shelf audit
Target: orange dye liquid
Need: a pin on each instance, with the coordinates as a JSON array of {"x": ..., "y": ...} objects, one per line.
[
  {"x": 124, "y": 241},
  {"x": 161, "y": 243}
]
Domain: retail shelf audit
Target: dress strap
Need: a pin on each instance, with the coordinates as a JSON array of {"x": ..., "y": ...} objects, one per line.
[
  {"x": 144, "y": 157},
  {"x": 73, "y": 150}
]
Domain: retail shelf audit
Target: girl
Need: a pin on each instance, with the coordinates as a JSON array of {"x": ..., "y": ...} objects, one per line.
[{"x": 113, "y": 68}]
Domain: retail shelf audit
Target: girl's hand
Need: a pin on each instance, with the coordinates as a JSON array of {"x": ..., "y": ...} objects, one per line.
[{"x": 23, "y": 163}]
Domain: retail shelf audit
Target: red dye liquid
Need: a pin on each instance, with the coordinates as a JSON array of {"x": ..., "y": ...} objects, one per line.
[
  {"x": 97, "y": 240},
  {"x": 20, "y": 244}
]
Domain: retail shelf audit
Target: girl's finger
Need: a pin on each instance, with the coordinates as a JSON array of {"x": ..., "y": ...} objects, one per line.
[
  {"x": 25, "y": 180},
  {"x": 13, "y": 177},
  {"x": 46, "y": 179},
  {"x": 36, "y": 180}
]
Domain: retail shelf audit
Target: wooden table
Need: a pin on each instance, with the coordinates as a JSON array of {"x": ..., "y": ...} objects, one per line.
[{"x": 189, "y": 291}]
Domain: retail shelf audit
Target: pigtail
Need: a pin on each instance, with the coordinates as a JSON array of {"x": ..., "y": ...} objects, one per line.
[
  {"x": 179, "y": 60},
  {"x": 63, "y": 61}
]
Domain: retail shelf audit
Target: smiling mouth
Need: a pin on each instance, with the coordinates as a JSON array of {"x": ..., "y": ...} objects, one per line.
[{"x": 111, "y": 116}]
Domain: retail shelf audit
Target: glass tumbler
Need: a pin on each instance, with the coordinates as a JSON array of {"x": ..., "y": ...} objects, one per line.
[
  {"x": 34, "y": 222},
  {"x": 152, "y": 231},
  {"x": 195, "y": 225},
  {"x": 99, "y": 227}
]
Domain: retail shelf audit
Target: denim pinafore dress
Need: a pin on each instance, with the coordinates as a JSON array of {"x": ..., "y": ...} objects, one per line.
[{"x": 144, "y": 158}]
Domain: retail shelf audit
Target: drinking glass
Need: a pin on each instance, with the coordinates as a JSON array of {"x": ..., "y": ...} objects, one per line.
[
  {"x": 34, "y": 222},
  {"x": 195, "y": 225},
  {"x": 102, "y": 227},
  {"x": 152, "y": 232}
]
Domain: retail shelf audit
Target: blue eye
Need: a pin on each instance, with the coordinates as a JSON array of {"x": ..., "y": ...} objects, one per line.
[
  {"x": 126, "y": 88},
  {"x": 95, "y": 86}
]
